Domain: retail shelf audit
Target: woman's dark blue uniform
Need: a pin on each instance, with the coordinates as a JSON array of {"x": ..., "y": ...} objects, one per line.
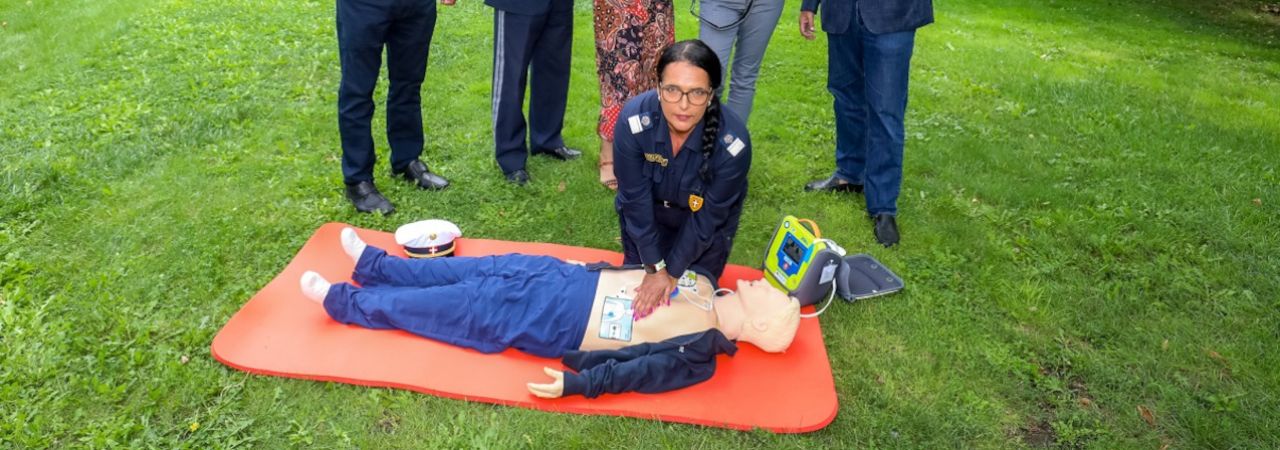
[{"x": 666, "y": 210}]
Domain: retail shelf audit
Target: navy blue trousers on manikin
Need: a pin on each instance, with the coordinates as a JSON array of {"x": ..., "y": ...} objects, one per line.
[
  {"x": 537, "y": 304},
  {"x": 404, "y": 27},
  {"x": 532, "y": 51},
  {"x": 867, "y": 75}
]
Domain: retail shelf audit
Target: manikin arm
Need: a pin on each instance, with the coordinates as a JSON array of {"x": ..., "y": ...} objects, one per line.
[{"x": 554, "y": 389}]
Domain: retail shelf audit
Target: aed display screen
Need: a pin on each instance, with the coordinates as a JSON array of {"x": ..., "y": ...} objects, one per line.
[{"x": 793, "y": 250}]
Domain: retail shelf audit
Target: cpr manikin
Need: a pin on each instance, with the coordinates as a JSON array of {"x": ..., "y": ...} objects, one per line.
[{"x": 550, "y": 308}]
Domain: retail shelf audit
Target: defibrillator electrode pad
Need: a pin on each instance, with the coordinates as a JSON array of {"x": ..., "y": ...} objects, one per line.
[
  {"x": 799, "y": 263},
  {"x": 616, "y": 319}
]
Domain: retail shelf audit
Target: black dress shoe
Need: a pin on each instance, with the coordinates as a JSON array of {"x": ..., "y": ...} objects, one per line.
[
  {"x": 886, "y": 229},
  {"x": 366, "y": 198},
  {"x": 518, "y": 177},
  {"x": 832, "y": 184},
  {"x": 560, "y": 153},
  {"x": 418, "y": 173}
]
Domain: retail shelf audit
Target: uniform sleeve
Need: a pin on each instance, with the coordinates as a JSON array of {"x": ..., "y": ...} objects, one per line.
[
  {"x": 635, "y": 190},
  {"x": 809, "y": 5},
  {"x": 728, "y": 186}
]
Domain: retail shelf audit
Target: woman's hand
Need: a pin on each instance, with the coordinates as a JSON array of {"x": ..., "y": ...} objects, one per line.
[
  {"x": 554, "y": 389},
  {"x": 653, "y": 292}
]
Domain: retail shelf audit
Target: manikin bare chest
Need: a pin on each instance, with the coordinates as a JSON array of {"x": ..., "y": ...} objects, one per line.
[{"x": 679, "y": 318}]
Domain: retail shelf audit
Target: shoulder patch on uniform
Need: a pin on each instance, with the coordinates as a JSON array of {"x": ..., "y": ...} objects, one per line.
[
  {"x": 634, "y": 122},
  {"x": 736, "y": 147}
]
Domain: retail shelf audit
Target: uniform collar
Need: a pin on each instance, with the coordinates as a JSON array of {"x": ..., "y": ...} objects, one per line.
[{"x": 664, "y": 133}]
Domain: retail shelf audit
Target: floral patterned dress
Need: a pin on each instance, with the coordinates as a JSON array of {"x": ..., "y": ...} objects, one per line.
[{"x": 630, "y": 37}]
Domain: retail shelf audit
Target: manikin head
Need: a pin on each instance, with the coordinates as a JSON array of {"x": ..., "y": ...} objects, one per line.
[{"x": 771, "y": 317}]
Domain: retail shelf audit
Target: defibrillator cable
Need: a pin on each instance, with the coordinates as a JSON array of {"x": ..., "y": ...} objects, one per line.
[{"x": 830, "y": 298}]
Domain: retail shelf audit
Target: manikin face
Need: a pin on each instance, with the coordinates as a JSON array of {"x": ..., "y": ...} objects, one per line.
[
  {"x": 772, "y": 317},
  {"x": 686, "y": 112}
]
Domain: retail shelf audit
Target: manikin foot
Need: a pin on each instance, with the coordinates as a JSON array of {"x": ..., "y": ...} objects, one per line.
[
  {"x": 314, "y": 286},
  {"x": 352, "y": 244}
]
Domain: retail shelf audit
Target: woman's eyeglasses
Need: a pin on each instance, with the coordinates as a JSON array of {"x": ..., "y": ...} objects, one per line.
[{"x": 697, "y": 96}]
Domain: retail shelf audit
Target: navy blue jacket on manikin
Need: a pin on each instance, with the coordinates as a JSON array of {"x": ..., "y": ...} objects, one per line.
[
  {"x": 675, "y": 363},
  {"x": 666, "y": 210},
  {"x": 879, "y": 16}
]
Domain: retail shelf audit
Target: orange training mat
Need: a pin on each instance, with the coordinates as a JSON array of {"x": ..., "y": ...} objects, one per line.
[{"x": 279, "y": 332}]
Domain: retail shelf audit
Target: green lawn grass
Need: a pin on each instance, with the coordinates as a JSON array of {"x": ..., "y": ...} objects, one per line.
[{"x": 1089, "y": 215}]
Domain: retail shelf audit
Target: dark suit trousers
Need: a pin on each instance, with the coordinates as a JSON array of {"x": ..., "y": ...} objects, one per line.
[
  {"x": 530, "y": 50},
  {"x": 404, "y": 27}
]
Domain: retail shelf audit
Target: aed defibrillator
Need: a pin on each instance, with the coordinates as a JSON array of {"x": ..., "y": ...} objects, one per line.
[{"x": 800, "y": 262}]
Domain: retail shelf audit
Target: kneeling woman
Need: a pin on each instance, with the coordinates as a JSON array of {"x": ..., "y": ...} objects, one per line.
[
  {"x": 682, "y": 163},
  {"x": 550, "y": 308}
]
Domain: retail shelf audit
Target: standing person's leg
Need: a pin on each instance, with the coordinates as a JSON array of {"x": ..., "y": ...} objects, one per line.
[
  {"x": 514, "y": 35},
  {"x": 887, "y": 63},
  {"x": 714, "y": 29},
  {"x": 846, "y": 83},
  {"x": 408, "y": 48},
  {"x": 613, "y": 33},
  {"x": 549, "y": 78},
  {"x": 659, "y": 33},
  {"x": 362, "y": 28},
  {"x": 753, "y": 38}
]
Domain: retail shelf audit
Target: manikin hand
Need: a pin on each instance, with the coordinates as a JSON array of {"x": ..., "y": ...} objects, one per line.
[
  {"x": 806, "y": 24},
  {"x": 554, "y": 389},
  {"x": 653, "y": 292}
]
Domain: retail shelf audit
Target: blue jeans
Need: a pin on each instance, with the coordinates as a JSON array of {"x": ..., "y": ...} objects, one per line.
[
  {"x": 867, "y": 75},
  {"x": 537, "y": 304}
]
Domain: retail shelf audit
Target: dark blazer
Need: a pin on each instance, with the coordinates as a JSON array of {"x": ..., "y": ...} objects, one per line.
[
  {"x": 525, "y": 7},
  {"x": 681, "y": 361},
  {"x": 880, "y": 16}
]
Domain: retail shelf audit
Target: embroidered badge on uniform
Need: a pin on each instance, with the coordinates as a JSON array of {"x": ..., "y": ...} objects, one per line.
[
  {"x": 728, "y": 138},
  {"x": 644, "y": 120},
  {"x": 656, "y": 158},
  {"x": 695, "y": 202}
]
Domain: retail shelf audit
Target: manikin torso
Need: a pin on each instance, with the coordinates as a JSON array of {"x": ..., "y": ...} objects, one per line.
[{"x": 679, "y": 318}]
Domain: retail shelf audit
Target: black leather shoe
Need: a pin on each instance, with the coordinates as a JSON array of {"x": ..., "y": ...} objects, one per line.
[
  {"x": 366, "y": 198},
  {"x": 561, "y": 153},
  {"x": 832, "y": 184},
  {"x": 418, "y": 173},
  {"x": 886, "y": 229},
  {"x": 518, "y": 177}
]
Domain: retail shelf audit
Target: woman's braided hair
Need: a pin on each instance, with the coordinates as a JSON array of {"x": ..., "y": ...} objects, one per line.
[{"x": 698, "y": 54}]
